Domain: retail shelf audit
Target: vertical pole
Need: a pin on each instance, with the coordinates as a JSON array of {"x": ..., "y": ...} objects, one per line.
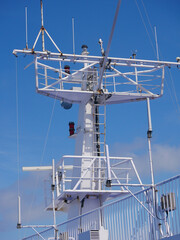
[
  {"x": 45, "y": 75},
  {"x": 42, "y": 26},
  {"x": 19, "y": 212},
  {"x": 73, "y": 35},
  {"x": 149, "y": 136},
  {"x": 26, "y": 28},
  {"x": 57, "y": 184},
  {"x": 108, "y": 182},
  {"x": 36, "y": 71},
  {"x": 53, "y": 199},
  {"x": 157, "y": 50},
  {"x": 136, "y": 79}
]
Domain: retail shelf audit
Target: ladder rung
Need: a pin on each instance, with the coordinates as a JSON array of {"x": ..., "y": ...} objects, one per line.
[
  {"x": 99, "y": 114},
  {"x": 98, "y": 142},
  {"x": 98, "y": 133},
  {"x": 98, "y": 152},
  {"x": 99, "y": 123}
]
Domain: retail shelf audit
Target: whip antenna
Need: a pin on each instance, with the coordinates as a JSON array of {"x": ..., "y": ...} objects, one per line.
[
  {"x": 42, "y": 26},
  {"x": 26, "y": 28},
  {"x": 73, "y": 35},
  {"x": 157, "y": 50}
]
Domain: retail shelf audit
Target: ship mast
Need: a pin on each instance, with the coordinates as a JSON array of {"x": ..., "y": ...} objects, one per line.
[{"x": 94, "y": 175}]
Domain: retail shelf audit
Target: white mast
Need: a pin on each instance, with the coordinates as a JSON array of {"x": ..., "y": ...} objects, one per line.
[{"x": 95, "y": 176}]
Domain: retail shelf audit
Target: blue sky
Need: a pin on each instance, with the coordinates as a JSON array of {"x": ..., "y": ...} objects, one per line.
[{"x": 127, "y": 123}]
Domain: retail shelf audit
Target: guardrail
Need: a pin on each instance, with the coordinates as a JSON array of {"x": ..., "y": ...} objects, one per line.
[
  {"x": 99, "y": 174},
  {"x": 135, "y": 79},
  {"x": 127, "y": 219}
]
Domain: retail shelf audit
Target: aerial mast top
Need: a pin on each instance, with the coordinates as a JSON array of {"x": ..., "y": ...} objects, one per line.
[{"x": 42, "y": 26}]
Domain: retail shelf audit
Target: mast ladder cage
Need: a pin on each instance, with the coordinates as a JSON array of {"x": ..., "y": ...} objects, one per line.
[{"x": 124, "y": 79}]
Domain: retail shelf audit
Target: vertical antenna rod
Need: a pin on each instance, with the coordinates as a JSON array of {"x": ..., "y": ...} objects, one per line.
[
  {"x": 73, "y": 35},
  {"x": 53, "y": 198},
  {"x": 157, "y": 50},
  {"x": 26, "y": 28},
  {"x": 19, "y": 212},
  {"x": 149, "y": 135},
  {"x": 42, "y": 26}
]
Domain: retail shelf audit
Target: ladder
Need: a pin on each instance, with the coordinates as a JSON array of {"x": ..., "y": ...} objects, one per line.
[
  {"x": 99, "y": 128},
  {"x": 99, "y": 141}
]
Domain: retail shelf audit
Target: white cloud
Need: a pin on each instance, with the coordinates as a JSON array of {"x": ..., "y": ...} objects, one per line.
[
  {"x": 32, "y": 207},
  {"x": 166, "y": 158}
]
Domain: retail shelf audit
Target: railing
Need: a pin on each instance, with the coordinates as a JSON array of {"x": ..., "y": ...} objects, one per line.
[
  {"x": 168, "y": 198},
  {"x": 127, "y": 219},
  {"x": 118, "y": 78},
  {"x": 99, "y": 174},
  {"x": 94, "y": 172}
]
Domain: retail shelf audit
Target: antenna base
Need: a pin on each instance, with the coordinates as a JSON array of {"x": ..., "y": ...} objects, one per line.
[
  {"x": 19, "y": 225},
  {"x": 108, "y": 183}
]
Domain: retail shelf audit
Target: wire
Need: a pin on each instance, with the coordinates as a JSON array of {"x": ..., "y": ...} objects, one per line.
[
  {"x": 153, "y": 31},
  {"x": 109, "y": 45},
  {"x": 174, "y": 93},
  {"x": 47, "y": 135},
  {"x": 44, "y": 149},
  {"x": 143, "y": 21},
  {"x": 145, "y": 10}
]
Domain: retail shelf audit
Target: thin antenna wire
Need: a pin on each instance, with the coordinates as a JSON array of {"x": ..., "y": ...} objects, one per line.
[
  {"x": 26, "y": 28},
  {"x": 157, "y": 50},
  {"x": 73, "y": 35},
  {"x": 174, "y": 91},
  {"x": 143, "y": 21}
]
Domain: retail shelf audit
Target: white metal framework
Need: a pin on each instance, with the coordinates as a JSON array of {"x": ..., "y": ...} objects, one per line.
[
  {"x": 82, "y": 183},
  {"x": 124, "y": 79},
  {"x": 126, "y": 219}
]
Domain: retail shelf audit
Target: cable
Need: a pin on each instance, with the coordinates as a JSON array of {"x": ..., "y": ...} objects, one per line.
[
  {"x": 47, "y": 135},
  {"x": 174, "y": 91},
  {"x": 44, "y": 148},
  {"x": 145, "y": 27},
  {"x": 109, "y": 45},
  {"x": 145, "y": 10}
]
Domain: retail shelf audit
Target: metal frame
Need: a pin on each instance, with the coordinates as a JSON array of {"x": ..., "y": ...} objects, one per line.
[{"x": 132, "y": 218}]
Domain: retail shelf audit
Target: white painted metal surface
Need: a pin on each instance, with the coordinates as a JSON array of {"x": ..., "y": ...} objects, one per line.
[
  {"x": 126, "y": 219},
  {"x": 82, "y": 183}
]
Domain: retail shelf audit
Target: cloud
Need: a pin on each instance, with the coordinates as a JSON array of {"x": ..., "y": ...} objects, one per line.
[
  {"x": 166, "y": 158},
  {"x": 32, "y": 202},
  {"x": 32, "y": 206}
]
